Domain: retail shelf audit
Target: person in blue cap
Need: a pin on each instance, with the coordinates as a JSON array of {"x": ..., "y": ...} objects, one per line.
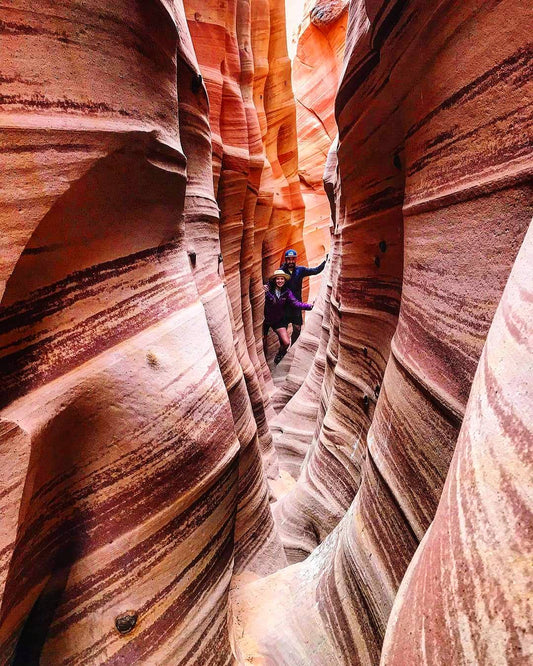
[{"x": 294, "y": 283}]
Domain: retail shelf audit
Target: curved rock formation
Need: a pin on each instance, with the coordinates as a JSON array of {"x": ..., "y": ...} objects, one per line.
[
  {"x": 316, "y": 72},
  {"x": 214, "y": 34},
  {"x": 434, "y": 358},
  {"x": 150, "y": 182},
  {"x": 294, "y": 427},
  {"x": 109, "y": 289},
  {"x": 431, "y": 175},
  {"x": 462, "y": 599},
  {"x": 257, "y": 546},
  {"x": 122, "y": 545}
]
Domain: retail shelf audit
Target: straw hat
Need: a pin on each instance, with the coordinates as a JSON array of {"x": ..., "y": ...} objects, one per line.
[{"x": 279, "y": 272}]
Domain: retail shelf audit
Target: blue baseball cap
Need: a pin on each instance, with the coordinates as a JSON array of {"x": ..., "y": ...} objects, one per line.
[{"x": 290, "y": 253}]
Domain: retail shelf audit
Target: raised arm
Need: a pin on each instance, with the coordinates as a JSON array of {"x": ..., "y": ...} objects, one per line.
[
  {"x": 313, "y": 271},
  {"x": 296, "y": 303}
]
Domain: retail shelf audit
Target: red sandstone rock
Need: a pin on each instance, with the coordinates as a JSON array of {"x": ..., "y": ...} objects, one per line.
[
  {"x": 431, "y": 175},
  {"x": 257, "y": 546},
  {"x": 316, "y": 71},
  {"x": 104, "y": 260},
  {"x": 112, "y": 397},
  {"x": 134, "y": 402},
  {"x": 463, "y": 599},
  {"x": 295, "y": 425}
]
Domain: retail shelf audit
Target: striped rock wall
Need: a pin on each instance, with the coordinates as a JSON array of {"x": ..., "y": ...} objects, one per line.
[
  {"x": 316, "y": 71},
  {"x": 134, "y": 435},
  {"x": 116, "y": 423},
  {"x": 257, "y": 546},
  {"x": 150, "y": 180},
  {"x": 431, "y": 201},
  {"x": 241, "y": 49},
  {"x": 464, "y": 597},
  {"x": 317, "y": 68}
]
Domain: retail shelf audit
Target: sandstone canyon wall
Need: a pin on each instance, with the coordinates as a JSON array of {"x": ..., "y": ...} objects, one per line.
[
  {"x": 316, "y": 71},
  {"x": 116, "y": 421},
  {"x": 151, "y": 180},
  {"x": 134, "y": 435},
  {"x": 431, "y": 191}
]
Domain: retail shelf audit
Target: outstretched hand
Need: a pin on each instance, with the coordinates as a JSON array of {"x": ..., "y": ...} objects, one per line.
[{"x": 265, "y": 288}]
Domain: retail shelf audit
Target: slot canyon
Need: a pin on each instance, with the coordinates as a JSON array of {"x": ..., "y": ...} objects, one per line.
[{"x": 171, "y": 495}]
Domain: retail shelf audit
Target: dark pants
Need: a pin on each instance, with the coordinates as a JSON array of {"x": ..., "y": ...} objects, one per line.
[
  {"x": 295, "y": 318},
  {"x": 274, "y": 327}
]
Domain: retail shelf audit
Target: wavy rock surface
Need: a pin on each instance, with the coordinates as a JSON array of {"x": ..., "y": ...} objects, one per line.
[
  {"x": 432, "y": 186},
  {"x": 316, "y": 72},
  {"x": 120, "y": 546},
  {"x": 382, "y": 198},
  {"x": 235, "y": 161},
  {"x": 138, "y": 222},
  {"x": 257, "y": 546},
  {"x": 128, "y": 347},
  {"x": 294, "y": 427},
  {"x": 462, "y": 599}
]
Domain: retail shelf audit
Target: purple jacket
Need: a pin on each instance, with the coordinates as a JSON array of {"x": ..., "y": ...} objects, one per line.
[{"x": 275, "y": 307}]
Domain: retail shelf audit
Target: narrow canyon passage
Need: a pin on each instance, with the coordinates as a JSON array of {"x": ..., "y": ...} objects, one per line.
[{"x": 171, "y": 495}]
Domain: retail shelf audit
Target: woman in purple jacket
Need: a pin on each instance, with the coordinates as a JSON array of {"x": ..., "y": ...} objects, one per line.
[{"x": 277, "y": 296}]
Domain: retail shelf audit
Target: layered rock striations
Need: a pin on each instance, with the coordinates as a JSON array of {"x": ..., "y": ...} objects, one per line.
[
  {"x": 257, "y": 546},
  {"x": 462, "y": 599},
  {"x": 116, "y": 418},
  {"x": 432, "y": 187},
  {"x": 151, "y": 182},
  {"x": 128, "y": 345},
  {"x": 214, "y": 33},
  {"x": 316, "y": 71}
]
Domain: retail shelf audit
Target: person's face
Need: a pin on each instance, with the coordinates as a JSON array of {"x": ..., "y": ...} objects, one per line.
[
  {"x": 291, "y": 262},
  {"x": 280, "y": 281}
]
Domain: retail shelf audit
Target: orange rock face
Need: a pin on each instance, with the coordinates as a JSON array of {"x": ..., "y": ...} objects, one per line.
[
  {"x": 151, "y": 180},
  {"x": 468, "y": 575},
  {"x": 316, "y": 72},
  {"x": 126, "y": 473},
  {"x": 430, "y": 195},
  {"x": 132, "y": 392}
]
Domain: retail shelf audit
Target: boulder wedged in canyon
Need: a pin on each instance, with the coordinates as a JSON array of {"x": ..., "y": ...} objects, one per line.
[{"x": 316, "y": 71}]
